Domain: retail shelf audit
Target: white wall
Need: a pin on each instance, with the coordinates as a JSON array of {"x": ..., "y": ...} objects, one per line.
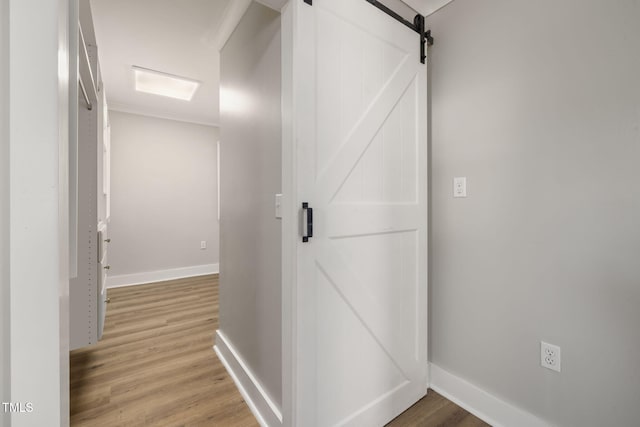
[
  {"x": 4, "y": 210},
  {"x": 250, "y": 244},
  {"x": 163, "y": 195},
  {"x": 538, "y": 105},
  {"x": 38, "y": 210}
]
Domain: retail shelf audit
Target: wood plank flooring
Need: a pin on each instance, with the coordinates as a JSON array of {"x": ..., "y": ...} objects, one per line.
[
  {"x": 155, "y": 366},
  {"x": 433, "y": 410}
]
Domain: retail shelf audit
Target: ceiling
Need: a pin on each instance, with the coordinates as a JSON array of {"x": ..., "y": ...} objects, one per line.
[
  {"x": 180, "y": 37},
  {"x": 426, "y": 7},
  {"x": 176, "y": 37}
]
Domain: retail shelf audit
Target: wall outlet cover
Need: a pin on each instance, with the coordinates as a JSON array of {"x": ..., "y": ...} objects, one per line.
[
  {"x": 550, "y": 356},
  {"x": 460, "y": 186}
]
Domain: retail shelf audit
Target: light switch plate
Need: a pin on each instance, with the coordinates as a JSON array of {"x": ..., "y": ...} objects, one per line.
[
  {"x": 460, "y": 186},
  {"x": 279, "y": 206}
]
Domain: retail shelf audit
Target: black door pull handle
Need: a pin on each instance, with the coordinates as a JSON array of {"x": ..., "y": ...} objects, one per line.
[{"x": 307, "y": 222}]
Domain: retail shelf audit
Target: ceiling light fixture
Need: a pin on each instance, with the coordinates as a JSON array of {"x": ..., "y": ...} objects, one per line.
[{"x": 159, "y": 83}]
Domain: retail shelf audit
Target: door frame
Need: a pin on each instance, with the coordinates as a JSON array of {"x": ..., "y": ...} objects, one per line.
[
  {"x": 289, "y": 217},
  {"x": 37, "y": 256}
]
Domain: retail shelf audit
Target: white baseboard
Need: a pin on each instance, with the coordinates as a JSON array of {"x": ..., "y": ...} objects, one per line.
[
  {"x": 264, "y": 409},
  {"x": 483, "y": 405},
  {"x": 160, "y": 275}
]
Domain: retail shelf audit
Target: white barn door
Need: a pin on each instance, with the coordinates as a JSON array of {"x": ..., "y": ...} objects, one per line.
[{"x": 359, "y": 114}]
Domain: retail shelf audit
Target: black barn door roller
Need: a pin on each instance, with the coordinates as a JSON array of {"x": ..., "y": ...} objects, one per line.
[{"x": 417, "y": 25}]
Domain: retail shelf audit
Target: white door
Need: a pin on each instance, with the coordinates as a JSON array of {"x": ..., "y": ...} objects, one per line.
[{"x": 360, "y": 120}]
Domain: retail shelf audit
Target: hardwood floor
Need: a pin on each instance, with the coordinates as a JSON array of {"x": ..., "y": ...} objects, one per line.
[
  {"x": 433, "y": 410},
  {"x": 155, "y": 366}
]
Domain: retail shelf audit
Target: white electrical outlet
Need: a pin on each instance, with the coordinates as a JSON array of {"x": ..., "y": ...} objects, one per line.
[
  {"x": 550, "y": 356},
  {"x": 203, "y": 244},
  {"x": 460, "y": 186}
]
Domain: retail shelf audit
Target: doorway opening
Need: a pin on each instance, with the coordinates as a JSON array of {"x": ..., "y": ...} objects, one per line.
[{"x": 160, "y": 240}]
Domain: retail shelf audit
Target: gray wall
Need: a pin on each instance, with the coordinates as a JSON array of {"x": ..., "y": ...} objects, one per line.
[
  {"x": 250, "y": 241},
  {"x": 538, "y": 105},
  {"x": 4, "y": 210},
  {"x": 163, "y": 194}
]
